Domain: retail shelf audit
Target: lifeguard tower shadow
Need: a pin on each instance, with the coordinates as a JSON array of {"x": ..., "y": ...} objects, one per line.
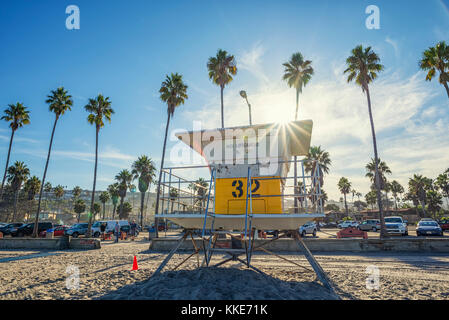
[{"x": 246, "y": 192}]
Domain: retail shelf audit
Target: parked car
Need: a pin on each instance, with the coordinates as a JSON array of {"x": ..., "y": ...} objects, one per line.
[
  {"x": 57, "y": 231},
  {"x": 6, "y": 229},
  {"x": 308, "y": 228},
  {"x": 444, "y": 224},
  {"x": 347, "y": 224},
  {"x": 428, "y": 228},
  {"x": 27, "y": 229},
  {"x": 274, "y": 233},
  {"x": 110, "y": 226},
  {"x": 330, "y": 225},
  {"x": 395, "y": 225},
  {"x": 76, "y": 230},
  {"x": 161, "y": 226},
  {"x": 370, "y": 225}
]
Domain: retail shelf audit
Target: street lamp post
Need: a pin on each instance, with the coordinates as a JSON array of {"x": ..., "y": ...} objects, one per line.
[{"x": 244, "y": 96}]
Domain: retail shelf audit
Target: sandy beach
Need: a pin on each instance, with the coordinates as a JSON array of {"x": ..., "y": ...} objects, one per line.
[{"x": 106, "y": 274}]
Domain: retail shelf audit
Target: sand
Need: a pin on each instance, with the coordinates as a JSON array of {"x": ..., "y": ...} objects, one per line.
[{"x": 106, "y": 274}]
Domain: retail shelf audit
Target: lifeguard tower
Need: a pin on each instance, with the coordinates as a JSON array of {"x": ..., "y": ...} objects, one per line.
[{"x": 249, "y": 189}]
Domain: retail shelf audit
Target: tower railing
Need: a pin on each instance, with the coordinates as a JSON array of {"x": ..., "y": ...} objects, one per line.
[{"x": 197, "y": 196}]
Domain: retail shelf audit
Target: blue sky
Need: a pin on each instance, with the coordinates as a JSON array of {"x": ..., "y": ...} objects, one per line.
[{"x": 124, "y": 49}]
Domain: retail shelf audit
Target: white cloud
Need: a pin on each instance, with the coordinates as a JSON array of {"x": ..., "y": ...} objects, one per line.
[{"x": 394, "y": 44}]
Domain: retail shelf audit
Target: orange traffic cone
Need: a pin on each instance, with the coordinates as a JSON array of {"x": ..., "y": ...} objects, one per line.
[{"x": 135, "y": 266}]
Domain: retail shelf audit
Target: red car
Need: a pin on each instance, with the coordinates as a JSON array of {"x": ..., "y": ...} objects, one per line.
[
  {"x": 57, "y": 232},
  {"x": 444, "y": 224}
]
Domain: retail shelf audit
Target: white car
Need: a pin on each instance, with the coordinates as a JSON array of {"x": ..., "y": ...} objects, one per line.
[
  {"x": 110, "y": 226},
  {"x": 347, "y": 224},
  {"x": 395, "y": 225},
  {"x": 308, "y": 228}
]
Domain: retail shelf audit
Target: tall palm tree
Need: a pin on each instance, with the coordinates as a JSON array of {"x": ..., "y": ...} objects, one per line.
[
  {"x": 113, "y": 191},
  {"x": 76, "y": 192},
  {"x": 221, "y": 69},
  {"x": 124, "y": 179},
  {"x": 174, "y": 93},
  {"x": 297, "y": 73},
  {"x": 17, "y": 175},
  {"x": 104, "y": 197},
  {"x": 17, "y": 115},
  {"x": 144, "y": 170},
  {"x": 396, "y": 189},
  {"x": 316, "y": 156},
  {"x": 345, "y": 187},
  {"x": 363, "y": 66},
  {"x": 437, "y": 59},
  {"x": 59, "y": 102},
  {"x": 99, "y": 110}
]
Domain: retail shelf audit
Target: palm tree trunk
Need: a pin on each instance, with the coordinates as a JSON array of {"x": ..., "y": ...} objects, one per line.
[
  {"x": 156, "y": 211},
  {"x": 222, "y": 107},
  {"x": 16, "y": 196},
  {"x": 346, "y": 205},
  {"x": 36, "y": 220},
  {"x": 447, "y": 88},
  {"x": 104, "y": 210},
  {"x": 142, "y": 202},
  {"x": 120, "y": 214},
  {"x": 383, "y": 233},
  {"x": 7, "y": 163},
  {"x": 113, "y": 211},
  {"x": 89, "y": 226},
  {"x": 295, "y": 168}
]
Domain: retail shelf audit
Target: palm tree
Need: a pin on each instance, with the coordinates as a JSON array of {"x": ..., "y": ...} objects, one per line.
[
  {"x": 32, "y": 186},
  {"x": 124, "y": 179},
  {"x": 99, "y": 110},
  {"x": 434, "y": 202},
  {"x": 173, "y": 92},
  {"x": 144, "y": 170},
  {"x": 104, "y": 197},
  {"x": 396, "y": 188},
  {"x": 297, "y": 73},
  {"x": 79, "y": 207},
  {"x": 442, "y": 183},
  {"x": 76, "y": 192},
  {"x": 59, "y": 102},
  {"x": 363, "y": 66},
  {"x": 200, "y": 187},
  {"x": 221, "y": 68},
  {"x": 113, "y": 191},
  {"x": 417, "y": 189},
  {"x": 371, "y": 198},
  {"x": 17, "y": 115},
  {"x": 345, "y": 187},
  {"x": 125, "y": 209},
  {"x": 173, "y": 194},
  {"x": 437, "y": 58},
  {"x": 17, "y": 175},
  {"x": 59, "y": 193}
]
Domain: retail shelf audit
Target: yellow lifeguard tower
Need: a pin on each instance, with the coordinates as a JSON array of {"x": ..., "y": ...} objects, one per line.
[{"x": 248, "y": 190}]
